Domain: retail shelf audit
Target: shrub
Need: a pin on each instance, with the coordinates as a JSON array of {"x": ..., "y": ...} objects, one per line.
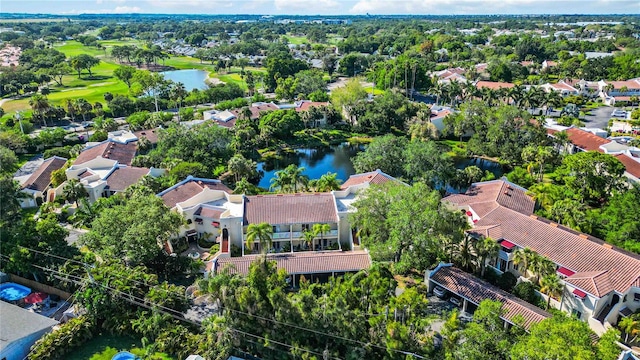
[
  {"x": 69, "y": 336},
  {"x": 186, "y": 114},
  {"x": 491, "y": 276},
  {"x": 98, "y": 136},
  {"x": 527, "y": 292},
  {"x": 235, "y": 250},
  {"x": 507, "y": 281}
]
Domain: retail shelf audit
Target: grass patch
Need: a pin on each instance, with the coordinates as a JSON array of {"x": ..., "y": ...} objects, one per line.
[
  {"x": 296, "y": 40},
  {"x": 456, "y": 149},
  {"x": 360, "y": 140},
  {"x": 100, "y": 344}
]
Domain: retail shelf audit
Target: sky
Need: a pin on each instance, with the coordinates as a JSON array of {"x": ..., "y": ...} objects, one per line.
[{"x": 323, "y": 7}]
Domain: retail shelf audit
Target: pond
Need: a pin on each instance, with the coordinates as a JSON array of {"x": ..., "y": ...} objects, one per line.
[
  {"x": 337, "y": 159},
  {"x": 317, "y": 162},
  {"x": 192, "y": 78}
]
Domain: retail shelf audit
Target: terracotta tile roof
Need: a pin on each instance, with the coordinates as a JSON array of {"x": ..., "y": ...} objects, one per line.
[
  {"x": 151, "y": 135},
  {"x": 306, "y": 105},
  {"x": 585, "y": 140},
  {"x": 494, "y": 85},
  {"x": 41, "y": 178},
  {"x": 189, "y": 188},
  {"x": 123, "y": 153},
  {"x": 597, "y": 283},
  {"x": 209, "y": 213},
  {"x": 565, "y": 247},
  {"x": 256, "y": 110},
  {"x": 123, "y": 177},
  {"x": 632, "y": 166},
  {"x": 372, "y": 177},
  {"x": 630, "y": 84},
  {"x": 290, "y": 209},
  {"x": 302, "y": 263},
  {"x": 563, "y": 86},
  {"x": 476, "y": 290},
  {"x": 485, "y": 197}
]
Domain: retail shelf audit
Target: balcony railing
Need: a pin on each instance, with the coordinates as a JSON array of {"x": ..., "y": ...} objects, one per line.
[{"x": 297, "y": 235}]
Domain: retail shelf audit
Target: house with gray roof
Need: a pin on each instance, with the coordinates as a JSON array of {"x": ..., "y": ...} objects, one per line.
[{"x": 19, "y": 330}]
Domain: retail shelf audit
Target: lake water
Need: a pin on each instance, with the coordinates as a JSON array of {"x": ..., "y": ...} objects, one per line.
[
  {"x": 337, "y": 159},
  {"x": 317, "y": 162},
  {"x": 192, "y": 79}
]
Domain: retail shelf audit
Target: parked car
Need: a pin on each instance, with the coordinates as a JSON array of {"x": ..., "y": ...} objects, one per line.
[
  {"x": 455, "y": 301},
  {"x": 87, "y": 124},
  {"x": 440, "y": 292},
  {"x": 619, "y": 113}
]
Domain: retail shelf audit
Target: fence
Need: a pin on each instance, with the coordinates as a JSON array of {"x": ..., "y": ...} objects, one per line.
[{"x": 39, "y": 287}]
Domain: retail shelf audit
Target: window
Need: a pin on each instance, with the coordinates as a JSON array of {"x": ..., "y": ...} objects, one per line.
[
  {"x": 305, "y": 227},
  {"x": 576, "y": 313}
]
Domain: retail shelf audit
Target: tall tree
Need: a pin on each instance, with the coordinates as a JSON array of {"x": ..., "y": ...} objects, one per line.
[
  {"x": 74, "y": 191},
  {"x": 262, "y": 234}
]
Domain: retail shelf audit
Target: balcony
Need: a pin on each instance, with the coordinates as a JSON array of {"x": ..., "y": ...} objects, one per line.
[{"x": 299, "y": 235}]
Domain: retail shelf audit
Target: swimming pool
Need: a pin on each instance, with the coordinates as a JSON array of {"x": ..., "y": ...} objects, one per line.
[
  {"x": 13, "y": 292},
  {"x": 124, "y": 355}
]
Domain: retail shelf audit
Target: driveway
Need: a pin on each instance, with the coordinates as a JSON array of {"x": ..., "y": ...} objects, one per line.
[
  {"x": 74, "y": 234},
  {"x": 599, "y": 118}
]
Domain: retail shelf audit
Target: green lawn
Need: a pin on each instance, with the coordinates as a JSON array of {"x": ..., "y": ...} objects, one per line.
[
  {"x": 92, "y": 88},
  {"x": 100, "y": 344},
  {"x": 296, "y": 40}
]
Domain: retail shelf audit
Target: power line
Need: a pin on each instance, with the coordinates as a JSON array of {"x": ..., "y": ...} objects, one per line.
[
  {"x": 141, "y": 302},
  {"x": 255, "y": 316}
]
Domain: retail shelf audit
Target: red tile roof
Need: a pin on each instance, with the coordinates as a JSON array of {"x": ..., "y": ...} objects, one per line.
[
  {"x": 189, "y": 188},
  {"x": 494, "y": 85},
  {"x": 41, "y": 178},
  {"x": 302, "y": 263},
  {"x": 489, "y": 195},
  {"x": 585, "y": 140},
  {"x": 209, "y": 213},
  {"x": 255, "y": 110},
  {"x": 283, "y": 209},
  {"x": 372, "y": 177},
  {"x": 123, "y": 177},
  {"x": 306, "y": 105},
  {"x": 631, "y": 166},
  {"x": 629, "y": 84},
  {"x": 123, "y": 153},
  {"x": 567, "y": 248},
  {"x": 597, "y": 283},
  {"x": 151, "y": 135},
  {"x": 476, "y": 290}
]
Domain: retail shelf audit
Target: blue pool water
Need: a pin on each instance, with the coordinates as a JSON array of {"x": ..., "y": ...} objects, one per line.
[
  {"x": 13, "y": 292},
  {"x": 124, "y": 355}
]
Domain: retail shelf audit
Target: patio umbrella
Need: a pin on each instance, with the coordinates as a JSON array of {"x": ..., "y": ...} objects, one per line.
[{"x": 35, "y": 298}]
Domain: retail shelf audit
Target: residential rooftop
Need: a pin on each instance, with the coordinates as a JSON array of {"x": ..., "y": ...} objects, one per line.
[
  {"x": 580, "y": 253},
  {"x": 189, "y": 188},
  {"x": 41, "y": 178},
  {"x": 123, "y": 177},
  {"x": 282, "y": 209},
  {"x": 476, "y": 290},
  {"x": 17, "y": 323},
  {"x": 302, "y": 263},
  {"x": 123, "y": 153}
]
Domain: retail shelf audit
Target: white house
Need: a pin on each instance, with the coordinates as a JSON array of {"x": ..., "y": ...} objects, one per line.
[{"x": 39, "y": 183}]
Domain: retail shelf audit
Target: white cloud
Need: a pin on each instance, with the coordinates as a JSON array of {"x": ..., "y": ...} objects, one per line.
[
  {"x": 194, "y": 6},
  {"x": 107, "y": 1},
  {"x": 127, "y": 9},
  {"x": 440, "y": 7},
  {"x": 306, "y": 6}
]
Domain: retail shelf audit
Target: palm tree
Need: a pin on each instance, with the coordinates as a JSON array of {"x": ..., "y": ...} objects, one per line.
[
  {"x": 74, "y": 191},
  {"x": 516, "y": 94},
  {"x": 262, "y": 233},
  {"x": 321, "y": 229},
  {"x": 177, "y": 93},
  {"x": 84, "y": 214},
  {"x": 72, "y": 109},
  {"x": 550, "y": 284},
  {"x": 327, "y": 182},
  {"x": 40, "y": 104},
  {"x": 308, "y": 238},
  {"x": 486, "y": 248},
  {"x": 523, "y": 257},
  {"x": 631, "y": 326},
  {"x": 465, "y": 253},
  {"x": 84, "y": 107},
  {"x": 280, "y": 181},
  {"x": 541, "y": 266}
]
